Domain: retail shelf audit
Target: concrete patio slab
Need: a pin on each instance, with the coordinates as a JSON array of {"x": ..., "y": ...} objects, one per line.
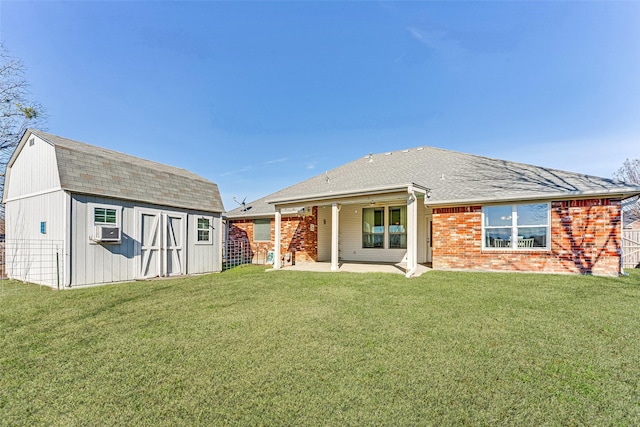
[{"x": 355, "y": 267}]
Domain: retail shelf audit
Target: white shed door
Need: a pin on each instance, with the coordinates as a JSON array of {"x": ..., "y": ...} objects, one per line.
[
  {"x": 174, "y": 230},
  {"x": 162, "y": 241}
]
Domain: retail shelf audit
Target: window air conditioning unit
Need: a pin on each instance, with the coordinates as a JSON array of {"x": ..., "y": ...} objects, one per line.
[{"x": 106, "y": 233}]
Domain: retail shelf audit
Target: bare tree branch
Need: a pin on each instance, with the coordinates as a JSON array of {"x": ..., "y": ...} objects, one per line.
[
  {"x": 629, "y": 172},
  {"x": 17, "y": 110}
]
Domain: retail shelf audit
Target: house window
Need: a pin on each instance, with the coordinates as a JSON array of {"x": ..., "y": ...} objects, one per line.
[
  {"x": 373, "y": 227},
  {"x": 516, "y": 226},
  {"x": 204, "y": 230},
  {"x": 262, "y": 230},
  {"x": 398, "y": 227},
  {"x": 105, "y": 216}
]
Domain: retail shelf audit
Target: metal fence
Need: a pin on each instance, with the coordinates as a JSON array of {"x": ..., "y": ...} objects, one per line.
[
  {"x": 240, "y": 252},
  {"x": 631, "y": 248},
  {"x": 236, "y": 253},
  {"x": 35, "y": 261}
]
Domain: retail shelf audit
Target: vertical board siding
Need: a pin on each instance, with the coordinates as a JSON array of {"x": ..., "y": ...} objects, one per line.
[
  {"x": 23, "y": 217},
  {"x": 25, "y": 241},
  {"x": 203, "y": 258},
  {"x": 350, "y": 239},
  {"x": 94, "y": 263},
  {"x": 422, "y": 232},
  {"x": 324, "y": 233},
  {"x": 34, "y": 170},
  {"x": 631, "y": 248},
  {"x": 91, "y": 262}
]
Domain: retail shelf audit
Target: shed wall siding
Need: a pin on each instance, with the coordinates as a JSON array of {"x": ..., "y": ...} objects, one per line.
[
  {"x": 35, "y": 170},
  {"x": 93, "y": 263},
  {"x": 204, "y": 258},
  {"x": 26, "y": 247},
  {"x": 23, "y": 217}
]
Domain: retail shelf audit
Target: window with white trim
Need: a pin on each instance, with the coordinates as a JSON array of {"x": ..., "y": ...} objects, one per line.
[
  {"x": 203, "y": 230},
  {"x": 373, "y": 228},
  {"x": 516, "y": 227},
  {"x": 101, "y": 217},
  {"x": 105, "y": 216},
  {"x": 398, "y": 227}
]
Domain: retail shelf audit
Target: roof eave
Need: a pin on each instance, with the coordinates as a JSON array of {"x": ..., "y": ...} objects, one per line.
[
  {"x": 537, "y": 196},
  {"x": 249, "y": 216},
  {"x": 209, "y": 209},
  {"x": 350, "y": 193}
]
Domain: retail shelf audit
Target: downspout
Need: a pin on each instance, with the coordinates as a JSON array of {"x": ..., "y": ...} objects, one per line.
[
  {"x": 69, "y": 232},
  {"x": 415, "y": 231}
]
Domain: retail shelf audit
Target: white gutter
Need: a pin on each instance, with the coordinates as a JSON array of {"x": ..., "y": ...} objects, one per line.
[
  {"x": 539, "y": 196},
  {"x": 250, "y": 216},
  {"x": 429, "y": 199}
]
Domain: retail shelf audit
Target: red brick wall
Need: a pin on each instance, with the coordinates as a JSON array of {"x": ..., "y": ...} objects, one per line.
[
  {"x": 585, "y": 238},
  {"x": 297, "y": 236}
]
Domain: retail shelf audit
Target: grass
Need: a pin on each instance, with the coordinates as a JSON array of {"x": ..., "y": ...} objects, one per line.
[{"x": 288, "y": 348}]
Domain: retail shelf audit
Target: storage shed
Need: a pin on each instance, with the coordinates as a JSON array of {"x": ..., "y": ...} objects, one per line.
[{"x": 78, "y": 214}]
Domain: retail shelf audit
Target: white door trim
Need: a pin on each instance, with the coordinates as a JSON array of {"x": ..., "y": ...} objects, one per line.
[
  {"x": 171, "y": 245},
  {"x": 168, "y": 242},
  {"x": 429, "y": 239}
]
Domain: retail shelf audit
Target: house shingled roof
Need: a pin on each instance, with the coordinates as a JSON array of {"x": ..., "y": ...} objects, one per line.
[
  {"x": 88, "y": 169},
  {"x": 453, "y": 178}
]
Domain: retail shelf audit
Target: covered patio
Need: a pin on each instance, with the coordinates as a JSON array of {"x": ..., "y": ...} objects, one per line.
[{"x": 378, "y": 250}]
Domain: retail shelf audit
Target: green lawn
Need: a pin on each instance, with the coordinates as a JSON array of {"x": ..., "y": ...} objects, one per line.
[{"x": 288, "y": 348}]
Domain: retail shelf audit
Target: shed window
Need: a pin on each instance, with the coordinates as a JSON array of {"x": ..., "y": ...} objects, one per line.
[
  {"x": 204, "y": 230},
  {"x": 105, "y": 216},
  {"x": 519, "y": 227},
  {"x": 262, "y": 230},
  {"x": 373, "y": 228}
]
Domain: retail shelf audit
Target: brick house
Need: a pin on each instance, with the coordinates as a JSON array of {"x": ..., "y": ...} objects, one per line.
[{"x": 451, "y": 210}]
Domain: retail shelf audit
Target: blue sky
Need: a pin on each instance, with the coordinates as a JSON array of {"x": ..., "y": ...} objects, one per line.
[{"x": 258, "y": 96}]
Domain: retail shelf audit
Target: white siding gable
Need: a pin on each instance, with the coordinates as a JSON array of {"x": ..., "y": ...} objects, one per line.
[{"x": 34, "y": 171}]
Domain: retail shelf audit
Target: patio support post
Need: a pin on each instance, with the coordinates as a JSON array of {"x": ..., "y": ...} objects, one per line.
[
  {"x": 276, "y": 249},
  {"x": 334, "y": 236},
  {"x": 412, "y": 233}
]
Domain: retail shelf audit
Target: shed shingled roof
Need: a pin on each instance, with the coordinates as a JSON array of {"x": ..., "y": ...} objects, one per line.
[
  {"x": 88, "y": 169},
  {"x": 453, "y": 177}
]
